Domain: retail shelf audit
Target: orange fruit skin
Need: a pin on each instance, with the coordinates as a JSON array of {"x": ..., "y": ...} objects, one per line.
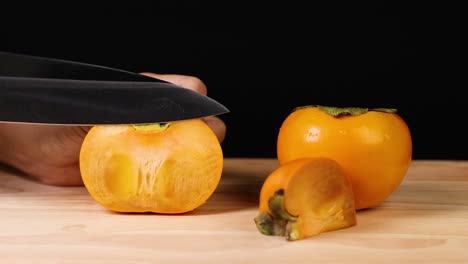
[
  {"x": 374, "y": 149},
  {"x": 170, "y": 171},
  {"x": 278, "y": 179}
]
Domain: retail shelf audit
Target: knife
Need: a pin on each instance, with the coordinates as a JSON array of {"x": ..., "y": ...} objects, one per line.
[{"x": 45, "y": 90}]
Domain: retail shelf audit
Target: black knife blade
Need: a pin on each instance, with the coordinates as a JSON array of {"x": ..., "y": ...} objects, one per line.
[{"x": 46, "y": 90}]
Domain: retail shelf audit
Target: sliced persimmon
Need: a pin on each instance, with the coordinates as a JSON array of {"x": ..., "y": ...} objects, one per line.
[
  {"x": 162, "y": 168},
  {"x": 306, "y": 197}
]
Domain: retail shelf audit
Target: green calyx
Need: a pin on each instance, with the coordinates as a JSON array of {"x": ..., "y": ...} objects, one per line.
[
  {"x": 349, "y": 111},
  {"x": 151, "y": 127},
  {"x": 279, "y": 222}
]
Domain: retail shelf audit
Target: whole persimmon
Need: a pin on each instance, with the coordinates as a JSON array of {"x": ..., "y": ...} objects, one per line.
[
  {"x": 165, "y": 168},
  {"x": 305, "y": 197},
  {"x": 373, "y": 146}
]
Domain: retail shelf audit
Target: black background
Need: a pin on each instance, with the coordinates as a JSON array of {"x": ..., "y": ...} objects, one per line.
[{"x": 261, "y": 61}]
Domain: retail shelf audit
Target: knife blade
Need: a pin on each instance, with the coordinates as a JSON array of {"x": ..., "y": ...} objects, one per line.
[{"x": 45, "y": 90}]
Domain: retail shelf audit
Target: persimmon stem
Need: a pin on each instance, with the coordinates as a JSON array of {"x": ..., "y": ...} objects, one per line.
[
  {"x": 276, "y": 204},
  {"x": 349, "y": 111},
  {"x": 151, "y": 127},
  {"x": 279, "y": 222}
]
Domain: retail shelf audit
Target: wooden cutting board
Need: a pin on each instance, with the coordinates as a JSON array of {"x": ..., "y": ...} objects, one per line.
[{"x": 425, "y": 221}]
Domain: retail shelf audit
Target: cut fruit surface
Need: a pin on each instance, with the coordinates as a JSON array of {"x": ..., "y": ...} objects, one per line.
[{"x": 306, "y": 197}]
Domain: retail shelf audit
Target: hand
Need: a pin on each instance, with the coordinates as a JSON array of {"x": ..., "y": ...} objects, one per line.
[{"x": 50, "y": 153}]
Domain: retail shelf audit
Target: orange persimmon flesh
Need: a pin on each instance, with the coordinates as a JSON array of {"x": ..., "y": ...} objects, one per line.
[
  {"x": 306, "y": 197},
  {"x": 171, "y": 168}
]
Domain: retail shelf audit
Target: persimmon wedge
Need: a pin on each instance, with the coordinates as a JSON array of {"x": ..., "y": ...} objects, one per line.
[
  {"x": 162, "y": 168},
  {"x": 306, "y": 197}
]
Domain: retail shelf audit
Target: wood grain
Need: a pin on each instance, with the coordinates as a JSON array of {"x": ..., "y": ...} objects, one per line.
[{"x": 424, "y": 221}]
